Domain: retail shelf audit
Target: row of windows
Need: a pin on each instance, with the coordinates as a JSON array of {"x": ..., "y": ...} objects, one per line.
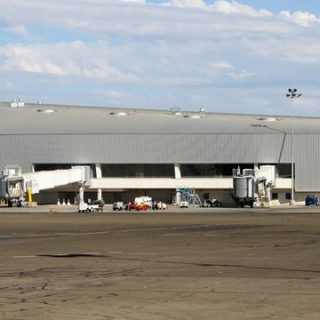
[
  {"x": 187, "y": 170},
  {"x": 275, "y": 196},
  {"x": 138, "y": 170},
  {"x": 166, "y": 170}
]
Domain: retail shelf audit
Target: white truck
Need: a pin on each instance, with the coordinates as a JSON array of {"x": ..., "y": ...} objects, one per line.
[{"x": 95, "y": 206}]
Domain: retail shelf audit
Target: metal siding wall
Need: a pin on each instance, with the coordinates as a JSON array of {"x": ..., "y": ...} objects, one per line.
[
  {"x": 142, "y": 148},
  {"x": 167, "y": 148},
  {"x": 307, "y": 158}
]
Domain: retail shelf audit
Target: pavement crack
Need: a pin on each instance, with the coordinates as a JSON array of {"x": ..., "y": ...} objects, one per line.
[
  {"x": 271, "y": 268},
  {"x": 73, "y": 255}
]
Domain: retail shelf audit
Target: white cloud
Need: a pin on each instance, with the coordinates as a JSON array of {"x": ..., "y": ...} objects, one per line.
[
  {"x": 123, "y": 17},
  {"x": 294, "y": 49},
  {"x": 241, "y": 74},
  {"x": 223, "y": 65},
  {"x": 18, "y": 29},
  {"x": 187, "y": 4},
  {"x": 304, "y": 19},
  {"x": 223, "y": 6},
  {"x": 73, "y": 59},
  {"x": 234, "y": 7},
  {"x": 134, "y": 1}
]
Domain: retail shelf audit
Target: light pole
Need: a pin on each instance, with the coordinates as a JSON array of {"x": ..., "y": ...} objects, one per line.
[{"x": 292, "y": 94}]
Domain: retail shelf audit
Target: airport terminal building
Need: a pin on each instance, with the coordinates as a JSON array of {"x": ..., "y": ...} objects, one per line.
[{"x": 133, "y": 152}]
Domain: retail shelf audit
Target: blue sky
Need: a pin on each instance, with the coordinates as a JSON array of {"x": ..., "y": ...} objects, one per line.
[
  {"x": 273, "y": 5},
  {"x": 291, "y": 5},
  {"x": 224, "y": 56}
]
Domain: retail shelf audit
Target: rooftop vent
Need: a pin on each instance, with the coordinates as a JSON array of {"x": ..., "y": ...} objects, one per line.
[
  {"x": 192, "y": 116},
  {"x": 16, "y": 103},
  {"x": 268, "y": 119},
  {"x": 46, "y": 110},
  {"x": 119, "y": 114}
]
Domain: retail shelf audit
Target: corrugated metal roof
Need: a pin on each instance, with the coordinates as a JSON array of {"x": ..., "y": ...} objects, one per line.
[{"x": 63, "y": 119}]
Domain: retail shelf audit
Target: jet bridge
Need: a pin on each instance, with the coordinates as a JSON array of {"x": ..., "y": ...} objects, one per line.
[
  {"x": 45, "y": 180},
  {"x": 253, "y": 187},
  {"x": 14, "y": 185}
]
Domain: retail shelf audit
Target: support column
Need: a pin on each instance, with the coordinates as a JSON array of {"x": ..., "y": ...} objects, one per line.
[
  {"x": 99, "y": 176},
  {"x": 99, "y": 194},
  {"x": 177, "y": 175},
  {"x": 81, "y": 194},
  {"x": 177, "y": 171}
]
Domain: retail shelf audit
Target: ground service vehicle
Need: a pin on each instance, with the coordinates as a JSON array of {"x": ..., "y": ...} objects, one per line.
[
  {"x": 312, "y": 200},
  {"x": 141, "y": 203},
  {"x": 211, "y": 203},
  {"x": 97, "y": 205},
  {"x": 187, "y": 196},
  {"x": 184, "y": 204},
  {"x": 120, "y": 205}
]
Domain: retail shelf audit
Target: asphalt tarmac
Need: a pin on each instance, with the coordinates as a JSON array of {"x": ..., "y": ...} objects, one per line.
[{"x": 219, "y": 263}]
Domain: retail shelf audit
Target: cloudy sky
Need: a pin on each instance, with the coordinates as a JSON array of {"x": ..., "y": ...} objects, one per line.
[{"x": 224, "y": 56}]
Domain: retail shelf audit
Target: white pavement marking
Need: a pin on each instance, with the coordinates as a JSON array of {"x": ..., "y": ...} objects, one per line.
[{"x": 72, "y": 234}]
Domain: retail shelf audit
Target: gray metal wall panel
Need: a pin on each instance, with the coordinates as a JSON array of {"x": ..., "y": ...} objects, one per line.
[
  {"x": 171, "y": 148},
  {"x": 307, "y": 158},
  {"x": 141, "y": 148}
]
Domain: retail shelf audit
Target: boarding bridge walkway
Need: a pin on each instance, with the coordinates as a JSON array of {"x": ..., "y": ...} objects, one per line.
[{"x": 45, "y": 180}]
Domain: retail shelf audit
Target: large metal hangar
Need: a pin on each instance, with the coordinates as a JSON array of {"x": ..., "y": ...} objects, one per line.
[{"x": 135, "y": 152}]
